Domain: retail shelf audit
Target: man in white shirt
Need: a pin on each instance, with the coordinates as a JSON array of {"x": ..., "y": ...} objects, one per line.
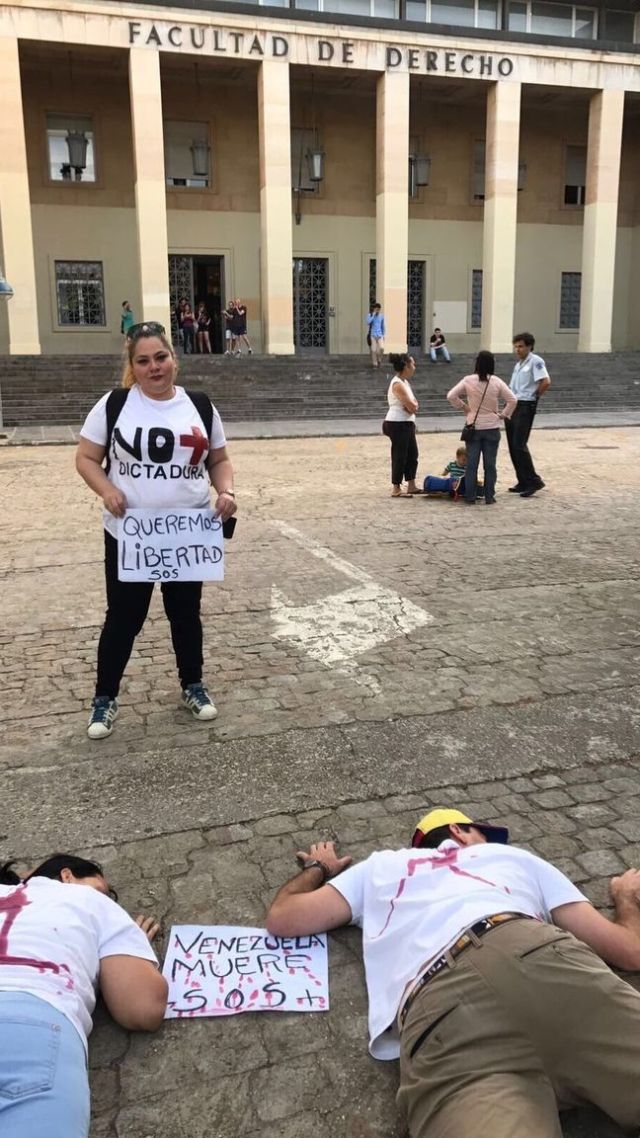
[
  {"x": 529, "y": 381},
  {"x": 480, "y": 979}
]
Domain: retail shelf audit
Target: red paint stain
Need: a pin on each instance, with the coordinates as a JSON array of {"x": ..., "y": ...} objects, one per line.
[
  {"x": 12, "y": 906},
  {"x": 445, "y": 860}
]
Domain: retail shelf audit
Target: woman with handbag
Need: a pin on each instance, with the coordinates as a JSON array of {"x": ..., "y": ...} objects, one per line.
[{"x": 484, "y": 393}]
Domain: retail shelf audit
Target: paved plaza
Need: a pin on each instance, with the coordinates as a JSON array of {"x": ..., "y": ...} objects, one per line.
[{"x": 369, "y": 658}]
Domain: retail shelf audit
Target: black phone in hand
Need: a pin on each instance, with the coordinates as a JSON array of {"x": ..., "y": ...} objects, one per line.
[{"x": 228, "y": 528}]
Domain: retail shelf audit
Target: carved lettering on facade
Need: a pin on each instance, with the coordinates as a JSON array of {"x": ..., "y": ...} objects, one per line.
[{"x": 222, "y": 41}]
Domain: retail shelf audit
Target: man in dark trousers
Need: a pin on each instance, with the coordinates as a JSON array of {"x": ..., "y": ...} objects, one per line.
[
  {"x": 529, "y": 381},
  {"x": 486, "y": 977}
]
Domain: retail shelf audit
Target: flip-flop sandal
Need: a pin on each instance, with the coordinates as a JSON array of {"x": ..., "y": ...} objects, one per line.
[{"x": 400, "y": 497}]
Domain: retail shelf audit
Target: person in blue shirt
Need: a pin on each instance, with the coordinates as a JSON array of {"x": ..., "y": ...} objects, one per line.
[
  {"x": 376, "y": 331},
  {"x": 529, "y": 381}
]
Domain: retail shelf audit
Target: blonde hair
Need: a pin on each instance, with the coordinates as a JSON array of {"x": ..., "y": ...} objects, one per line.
[{"x": 128, "y": 378}]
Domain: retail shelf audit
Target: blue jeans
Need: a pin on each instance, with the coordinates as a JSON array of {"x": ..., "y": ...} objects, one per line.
[
  {"x": 483, "y": 443},
  {"x": 44, "y": 1089},
  {"x": 433, "y": 352}
]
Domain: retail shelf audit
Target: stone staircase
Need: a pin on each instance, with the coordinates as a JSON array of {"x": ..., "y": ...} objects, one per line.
[{"x": 51, "y": 390}]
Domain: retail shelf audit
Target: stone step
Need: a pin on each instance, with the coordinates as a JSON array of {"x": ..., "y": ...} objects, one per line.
[{"x": 61, "y": 389}]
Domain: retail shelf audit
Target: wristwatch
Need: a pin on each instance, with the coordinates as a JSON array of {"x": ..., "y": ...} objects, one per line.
[
  {"x": 315, "y": 864},
  {"x": 229, "y": 493}
]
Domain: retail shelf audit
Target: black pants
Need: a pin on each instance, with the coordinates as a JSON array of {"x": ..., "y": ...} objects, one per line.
[
  {"x": 485, "y": 443},
  {"x": 518, "y": 430},
  {"x": 404, "y": 450},
  {"x": 127, "y": 607}
]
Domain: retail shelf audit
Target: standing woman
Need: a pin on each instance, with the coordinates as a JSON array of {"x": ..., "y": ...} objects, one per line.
[
  {"x": 188, "y": 330},
  {"x": 63, "y": 939},
  {"x": 400, "y": 426},
  {"x": 241, "y": 326},
  {"x": 484, "y": 392},
  {"x": 174, "y": 459},
  {"x": 203, "y": 321}
]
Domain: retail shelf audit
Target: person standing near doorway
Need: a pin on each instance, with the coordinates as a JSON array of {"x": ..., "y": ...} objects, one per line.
[
  {"x": 241, "y": 326},
  {"x": 203, "y": 322},
  {"x": 188, "y": 330},
  {"x": 127, "y": 320},
  {"x": 529, "y": 382},
  {"x": 376, "y": 327},
  {"x": 229, "y": 338}
]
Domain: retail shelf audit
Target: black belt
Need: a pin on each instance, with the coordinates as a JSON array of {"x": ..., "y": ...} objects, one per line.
[{"x": 464, "y": 940}]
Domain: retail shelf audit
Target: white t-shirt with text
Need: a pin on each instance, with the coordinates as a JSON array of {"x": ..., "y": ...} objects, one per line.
[
  {"x": 52, "y": 939},
  {"x": 413, "y": 904},
  {"x": 158, "y": 451}
]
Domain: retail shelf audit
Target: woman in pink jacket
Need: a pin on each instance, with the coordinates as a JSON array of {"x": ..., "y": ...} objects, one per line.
[{"x": 479, "y": 396}]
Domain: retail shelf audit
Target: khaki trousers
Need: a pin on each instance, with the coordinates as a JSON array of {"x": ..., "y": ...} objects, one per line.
[
  {"x": 377, "y": 349},
  {"x": 525, "y": 1022}
]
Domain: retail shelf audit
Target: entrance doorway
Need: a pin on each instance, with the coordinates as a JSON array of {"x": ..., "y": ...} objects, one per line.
[
  {"x": 200, "y": 278},
  {"x": 310, "y": 311},
  {"x": 416, "y": 298}
]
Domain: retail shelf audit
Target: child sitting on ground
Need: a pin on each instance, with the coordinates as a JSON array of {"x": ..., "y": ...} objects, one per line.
[{"x": 451, "y": 481}]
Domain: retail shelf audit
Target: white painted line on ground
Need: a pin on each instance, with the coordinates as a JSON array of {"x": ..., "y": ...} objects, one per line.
[
  {"x": 338, "y": 628},
  {"x": 323, "y": 553}
]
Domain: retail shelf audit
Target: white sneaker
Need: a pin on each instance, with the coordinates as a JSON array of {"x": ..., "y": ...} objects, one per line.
[
  {"x": 103, "y": 713},
  {"x": 197, "y": 700}
]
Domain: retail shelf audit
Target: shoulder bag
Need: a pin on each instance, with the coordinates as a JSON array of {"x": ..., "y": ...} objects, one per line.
[{"x": 469, "y": 429}]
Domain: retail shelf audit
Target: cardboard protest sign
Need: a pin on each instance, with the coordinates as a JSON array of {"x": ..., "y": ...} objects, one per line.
[
  {"x": 218, "y": 970},
  {"x": 170, "y": 545}
]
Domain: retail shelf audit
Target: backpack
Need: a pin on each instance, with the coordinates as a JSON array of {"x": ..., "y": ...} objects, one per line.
[{"x": 118, "y": 397}]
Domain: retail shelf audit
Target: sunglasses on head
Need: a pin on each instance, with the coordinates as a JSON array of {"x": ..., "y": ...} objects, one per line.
[{"x": 148, "y": 328}]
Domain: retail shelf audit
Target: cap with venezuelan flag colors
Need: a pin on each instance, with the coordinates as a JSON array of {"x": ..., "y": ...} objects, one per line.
[{"x": 442, "y": 817}]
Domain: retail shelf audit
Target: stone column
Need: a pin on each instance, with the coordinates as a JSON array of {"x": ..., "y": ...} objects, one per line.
[
  {"x": 500, "y": 216},
  {"x": 599, "y": 233},
  {"x": 392, "y": 204},
  {"x": 15, "y": 208},
  {"x": 276, "y": 253},
  {"x": 151, "y": 201}
]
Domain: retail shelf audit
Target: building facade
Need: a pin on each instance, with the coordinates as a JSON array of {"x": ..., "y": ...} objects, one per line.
[{"x": 471, "y": 164}]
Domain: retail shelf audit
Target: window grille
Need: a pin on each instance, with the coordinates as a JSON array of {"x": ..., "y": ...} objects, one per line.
[
  {"x": 80, "y": 294},
  {"x": 476, "y": 298},
  {"x": 570, "y": 300}
]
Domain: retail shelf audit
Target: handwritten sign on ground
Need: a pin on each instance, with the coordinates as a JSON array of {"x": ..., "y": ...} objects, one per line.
[
  {"x": 170, "y": 545},
  {"x": 217, "y": 970}
]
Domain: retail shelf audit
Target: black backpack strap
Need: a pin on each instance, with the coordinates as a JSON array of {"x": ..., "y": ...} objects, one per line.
[
  {"x": 204, "y": 407},
  {"x": 115, "y": 402}
]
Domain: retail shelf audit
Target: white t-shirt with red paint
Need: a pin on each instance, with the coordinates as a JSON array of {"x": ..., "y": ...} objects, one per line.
[
  {"x": 52, "y": 939},
  {"x": 413, "y": 904},
  {"x": 158, "y": 451}
]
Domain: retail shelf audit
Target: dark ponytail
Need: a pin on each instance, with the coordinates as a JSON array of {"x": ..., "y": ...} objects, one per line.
[
  {"x": 8, "y": 876},
  {"x": 485, "y": 366},
  {"x": 399, "y": 361}
]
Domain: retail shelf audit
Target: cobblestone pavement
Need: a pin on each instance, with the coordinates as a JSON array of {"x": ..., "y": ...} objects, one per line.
[{"x": 369, "y": 658}]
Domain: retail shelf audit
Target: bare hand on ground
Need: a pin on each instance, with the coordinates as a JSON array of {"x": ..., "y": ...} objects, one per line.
[
  {"x": 626, "y": 887},
  {"x": 149, "y": 925},
  {"x": 326, "y": 853}
]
